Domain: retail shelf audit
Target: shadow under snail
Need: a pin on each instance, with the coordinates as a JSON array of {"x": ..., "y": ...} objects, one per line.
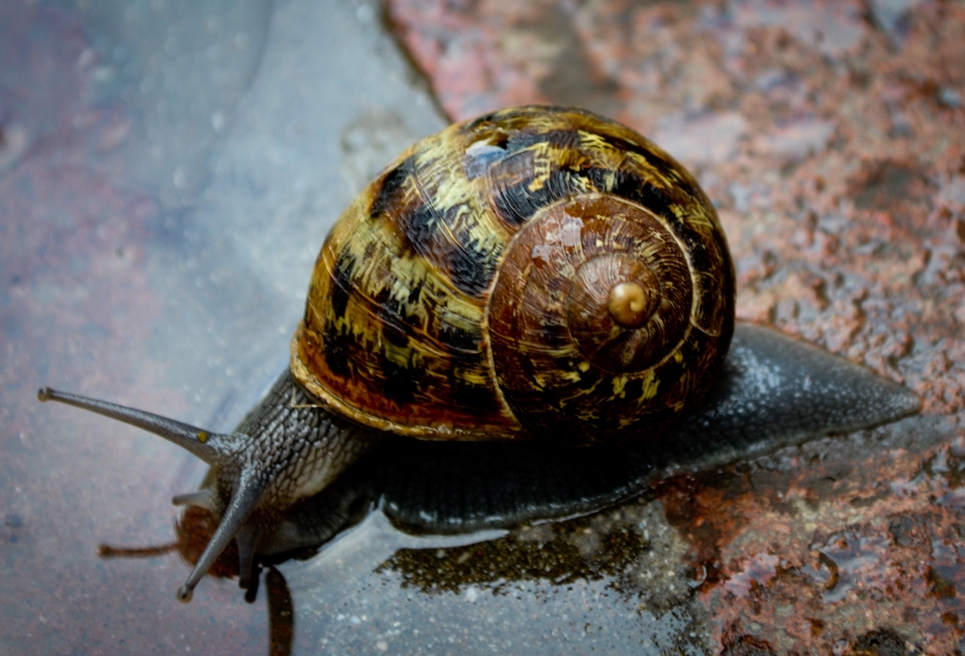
[{"x": 537, "y": 273}]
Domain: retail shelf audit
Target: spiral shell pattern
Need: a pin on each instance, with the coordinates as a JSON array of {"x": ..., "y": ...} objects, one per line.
[{"x": 535, "y": 272}]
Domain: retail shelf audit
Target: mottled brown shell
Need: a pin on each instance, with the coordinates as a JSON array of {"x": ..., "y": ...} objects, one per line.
[{"x": 537, "y": 271}]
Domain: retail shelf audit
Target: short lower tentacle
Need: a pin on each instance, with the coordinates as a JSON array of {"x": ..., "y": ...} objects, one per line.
[{"x": 246, "y": 495}]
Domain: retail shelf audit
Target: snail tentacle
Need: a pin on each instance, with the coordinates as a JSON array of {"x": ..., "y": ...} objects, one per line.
[
  {"x": 246, "y": 540},
  {"x": 210, "y": 447},
  {"x": 246, "y": 495}
]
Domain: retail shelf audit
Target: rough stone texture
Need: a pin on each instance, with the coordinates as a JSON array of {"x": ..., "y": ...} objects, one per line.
[{"x": 831, "y": 137}]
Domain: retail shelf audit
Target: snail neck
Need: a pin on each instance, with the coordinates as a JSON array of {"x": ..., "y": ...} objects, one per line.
[
  {"x": 288, "y": 448},
  {"x": 297, "y": 443}
]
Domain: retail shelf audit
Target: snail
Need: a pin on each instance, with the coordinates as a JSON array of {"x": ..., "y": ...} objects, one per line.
[{"x": 537, "y": 273}]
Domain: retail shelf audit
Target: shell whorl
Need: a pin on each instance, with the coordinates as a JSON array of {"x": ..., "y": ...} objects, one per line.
[{"x": 528, "y": 262}]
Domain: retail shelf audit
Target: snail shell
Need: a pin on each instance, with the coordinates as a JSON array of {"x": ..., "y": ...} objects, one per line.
[{"x": 536, "y": 271}]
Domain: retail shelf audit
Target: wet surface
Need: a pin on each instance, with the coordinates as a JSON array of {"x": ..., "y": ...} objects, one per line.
[{"x": 166, "y": 177}]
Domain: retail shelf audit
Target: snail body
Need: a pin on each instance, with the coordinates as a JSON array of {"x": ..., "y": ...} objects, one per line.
[{"x": 538, "y": 273}]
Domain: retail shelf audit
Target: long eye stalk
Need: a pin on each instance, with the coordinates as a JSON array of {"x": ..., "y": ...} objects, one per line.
[{"x": 208, "y": 446}]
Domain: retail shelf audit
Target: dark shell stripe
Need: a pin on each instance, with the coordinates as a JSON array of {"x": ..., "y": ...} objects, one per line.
[
  {"x": 393, "y": 325},
  {"x": 398, "y": 338},
  {"x": 464, "y": 239}
]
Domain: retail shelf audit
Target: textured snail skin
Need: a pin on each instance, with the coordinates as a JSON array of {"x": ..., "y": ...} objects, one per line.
[
  {"x": 286, "y": 433},
  {"x": 503, "y": 279}
]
